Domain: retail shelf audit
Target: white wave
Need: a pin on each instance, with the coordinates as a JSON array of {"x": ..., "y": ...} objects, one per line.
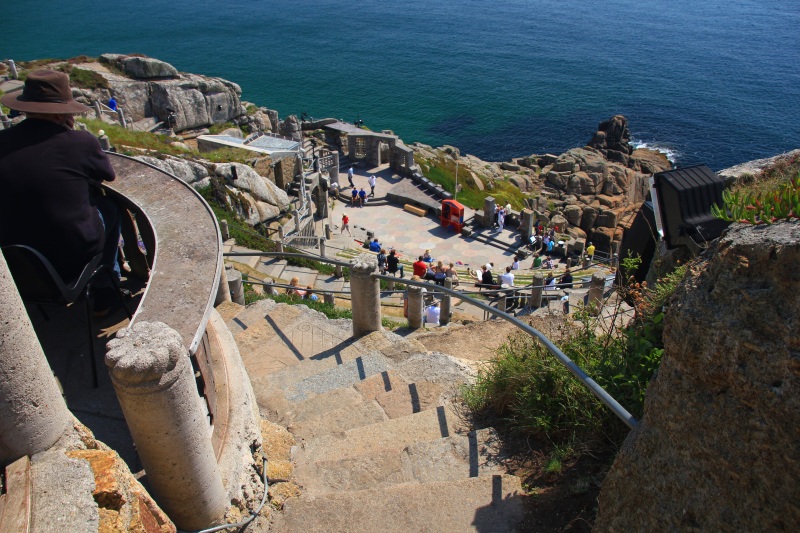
[{"x": 672, "y": 153}]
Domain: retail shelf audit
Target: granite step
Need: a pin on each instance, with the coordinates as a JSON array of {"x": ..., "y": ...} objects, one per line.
[
  {"x": 445, "y": 459},
  {"x": 489, "y": 504}
]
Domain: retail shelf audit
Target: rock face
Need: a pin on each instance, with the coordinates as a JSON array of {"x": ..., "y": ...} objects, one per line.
[
  {"x": 153, "y": 88},
  {"x": 717, "y": 447}
]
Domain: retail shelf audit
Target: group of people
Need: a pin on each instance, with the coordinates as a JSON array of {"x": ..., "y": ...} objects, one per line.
[
  {"x": 296, "y": 291},
  {"x": 437, "y": 273},
  {"x": 500, "y": 214}
]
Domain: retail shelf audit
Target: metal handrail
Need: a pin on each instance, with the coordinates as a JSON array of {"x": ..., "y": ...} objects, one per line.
[{"x": 601, "y": 394}]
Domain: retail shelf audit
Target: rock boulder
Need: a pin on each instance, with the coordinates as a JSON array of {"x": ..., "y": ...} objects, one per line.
[{"x": 717, "y": 446}]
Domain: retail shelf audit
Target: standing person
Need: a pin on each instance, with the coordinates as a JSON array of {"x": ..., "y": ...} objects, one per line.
[
  {"x": 345, "y": 224},
  {"x": 362, "y": 196},
  {"x": 393, "y": 263},
  {"x": 50, "y": 179},
  {"x": 350, "y": 177},
  {"x": 590, "y": 251},
  {"x": 372, "y": 182},
  {"x": 501, "y": 218}
]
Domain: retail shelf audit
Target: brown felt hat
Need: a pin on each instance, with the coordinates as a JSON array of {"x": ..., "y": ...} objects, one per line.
[{"x": 45, "y": 91}]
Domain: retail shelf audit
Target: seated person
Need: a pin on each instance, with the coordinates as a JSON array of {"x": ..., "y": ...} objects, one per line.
[
  {"x": 354, "y": 197},
  {"x": 506, "y": 278},
  {"x": 430, "y": 274},
  {"x": 294, "y": 289},
  {"x": 427, "y": 257},
  {"x": 362, "y": 196},
  {"x": 537, "y": 261},
  {"x": 566, "y": 280},
  {"x": 548, "y": 263},
  {"x": 50, "y": 176},
  {"x": 550, "y": 282},
  {"x": 432, "y": 314},
  {"x": 452, "y": 274},
  {"x": 515, "y": 264},
  {"x": 485, "y": 279},
  {"x": 439, "y": 273},
  {"x": 420, "y": 267},
  {"x": 375, "y": 246},
  {"x": 393, "y": 263},
  {"x": 309, "y": 295},
  {"x": 382, "y": 261}
]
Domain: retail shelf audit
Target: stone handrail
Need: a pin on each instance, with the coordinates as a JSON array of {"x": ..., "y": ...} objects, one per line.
[
  {"x": 186, "y": 239},
  {"x": 365, "y": 297}
]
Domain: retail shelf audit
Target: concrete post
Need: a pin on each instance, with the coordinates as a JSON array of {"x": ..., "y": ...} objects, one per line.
[
  {"x": 33, "y": 414},
  {"x": 281, "y": 233},
  {"x": 337, "y": 271},
  {"x": 98, "y": 112},
  {"x": 334, "y": 169},
  {"x": 155, "y": 385},
  {"x": 390, "y": 285},
  {"x": 270, "y": 289},
  {"x": 526, "y": 225},
  {"x": 224, "y": 230},
  {"x": 365, "y": 294},
  {"x": 329, "y": 298},
  {"x": 296, "y": 215},
  {"x": 223, "y": 292},
  {"x": 444, "y": 308},
  {"x": 595, "y": 296},
  {"x": 105, "y": 142},
  {"x": 322, "y": 249},
  {"x": 414, "y": 296},
  {"x": 502, "y": 302},
  {"x": 13, "y": 68},
  {"x": 121, "y": 116},
  {"x": 536, "y": 291},
  {"x": 280, "y": 246},
  {"x": 328, "y": 232},
  {"x": 235, "y": 285},
  {"x": 322, "y": 203},
  {"x": 488, "y": 211}
]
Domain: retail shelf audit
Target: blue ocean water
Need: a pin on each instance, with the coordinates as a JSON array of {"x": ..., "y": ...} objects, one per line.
[{"x": 714, "y": 82}]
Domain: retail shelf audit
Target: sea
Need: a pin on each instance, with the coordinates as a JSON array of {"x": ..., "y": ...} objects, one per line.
[{"x": 706, "y": 81}]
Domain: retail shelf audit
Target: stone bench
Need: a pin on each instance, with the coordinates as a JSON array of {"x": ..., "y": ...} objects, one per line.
[{"x": 413, "y": 209}]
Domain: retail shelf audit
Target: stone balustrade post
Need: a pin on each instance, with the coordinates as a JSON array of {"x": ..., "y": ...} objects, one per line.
[
  {"x": 535, "y": 301},
  {"x": 98, "y": 111},
  {"x": 13, "y": 68},
  {"x": 223, "y": 290},
  {"x": 337, "y": 271},
  {"x": 329, "y": 298},
  {"x": 365, "y": 294},
  {"x": 270, "y": 289},
  {"x": 296, "y": 215},
  {"x": 328, "y": 232},
  {"x": 595, "y": 295},
  {"x": 414, "y": 296},
  {"x": 390, "y": 285},
  {"x": 33, "y": 415},
  {"x": 224, "y": 230},
  {"x": 155, "y": 385},
  {"x": 279, "y": 246},
  {"x": 235, "y": 285},
  {"x": 281, "y": 233},
  {"x": 526, "y": 225},
  {"x": 444, "y": 308},
  {"x": 488, "y": 211},
  {"x": 121, "y": 116},
  {"x": 502, "y": 302},
  {"x": 105, "y": 142},
  {"x": 322, "y": 247}
]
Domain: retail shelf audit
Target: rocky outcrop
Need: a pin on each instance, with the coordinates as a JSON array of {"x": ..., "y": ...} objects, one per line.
[
  {"x": 751, "y": 168},
  {"x": 717, "y": 447},
  {"x": 258, "y": 199},
  {"x": 613, "y": 139}
]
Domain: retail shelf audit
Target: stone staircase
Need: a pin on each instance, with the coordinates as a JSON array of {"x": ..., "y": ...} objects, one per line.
[{"x": 380, "y": 441}]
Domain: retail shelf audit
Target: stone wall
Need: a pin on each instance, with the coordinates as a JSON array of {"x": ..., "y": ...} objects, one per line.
[{"x": 717, "y": 447}]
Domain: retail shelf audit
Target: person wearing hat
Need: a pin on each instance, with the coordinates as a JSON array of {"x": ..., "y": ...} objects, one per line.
[{"x": 50, "y": 176}]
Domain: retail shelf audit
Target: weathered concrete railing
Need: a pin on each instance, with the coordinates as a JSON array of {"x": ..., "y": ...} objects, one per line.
[
  {"x": 182, "y": 440},
  {"x": 367, "y": 313}
]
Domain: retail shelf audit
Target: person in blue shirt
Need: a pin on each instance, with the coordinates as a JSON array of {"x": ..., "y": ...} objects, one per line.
[
  {"x": 362, "y": 196},
  {"x": 375, "y": 246},
  {"x": 112, "y": 104}
]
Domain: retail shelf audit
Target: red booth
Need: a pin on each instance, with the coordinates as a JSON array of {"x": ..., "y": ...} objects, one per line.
[{"x": 452, "y": 215}]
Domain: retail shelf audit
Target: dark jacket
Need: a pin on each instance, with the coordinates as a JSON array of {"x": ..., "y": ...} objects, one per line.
[{"x": 49, "y": 177}]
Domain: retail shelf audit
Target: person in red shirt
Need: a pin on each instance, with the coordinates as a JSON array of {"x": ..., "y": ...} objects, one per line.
[
  {"x": 345, "y": 224},
  {"x": 420, "y": 267}
]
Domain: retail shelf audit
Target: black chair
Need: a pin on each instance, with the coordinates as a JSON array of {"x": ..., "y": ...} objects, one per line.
[{"x": 38, "y": 283}]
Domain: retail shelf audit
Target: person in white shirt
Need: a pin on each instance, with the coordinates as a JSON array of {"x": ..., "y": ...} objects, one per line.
[
  {"x": 507, "y": 278},
  {"x": 432, "y": 313},
  {"x": 372, "y": 182}
]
